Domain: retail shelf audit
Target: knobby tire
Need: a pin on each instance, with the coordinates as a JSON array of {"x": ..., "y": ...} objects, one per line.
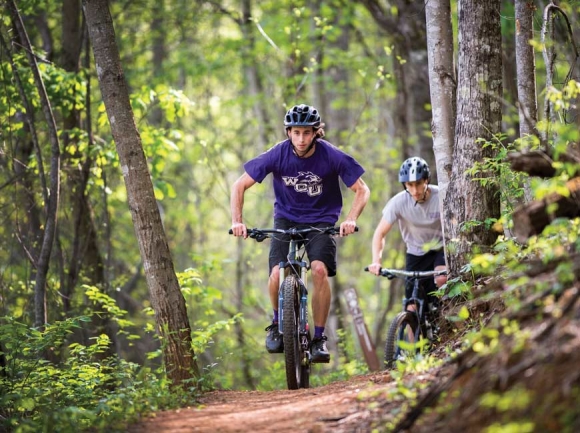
[
  {"x": 296, "y": 373},
  {"x": 397, "y": 332}
]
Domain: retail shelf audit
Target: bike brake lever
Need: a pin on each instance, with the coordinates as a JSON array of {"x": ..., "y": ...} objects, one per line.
[{"x": 258, "y": 236}]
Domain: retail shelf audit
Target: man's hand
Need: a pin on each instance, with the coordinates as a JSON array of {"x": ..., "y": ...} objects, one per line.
[
  {"x": 239, "y": 229},
  {"x": 347, "y": 227},
  {"x": 374, "y": 268}
]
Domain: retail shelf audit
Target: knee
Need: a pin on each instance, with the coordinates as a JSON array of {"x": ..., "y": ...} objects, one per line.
[
  {"x": 318, "y": 269},
  {"x": 275, "y": 273}
]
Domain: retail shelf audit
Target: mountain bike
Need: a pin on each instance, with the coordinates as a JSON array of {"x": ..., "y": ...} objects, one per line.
[
  {"x": 293, "y": 300},
  {"x": 410, "y": 328}
]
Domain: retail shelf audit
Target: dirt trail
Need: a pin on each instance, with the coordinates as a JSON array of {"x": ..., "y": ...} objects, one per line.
[{"x": 331, "y": 408}]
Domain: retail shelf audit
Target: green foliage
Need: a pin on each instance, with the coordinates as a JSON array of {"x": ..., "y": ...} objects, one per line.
[
  {"x": 408, "y": 384},
  {"x": 496, "y": 171},
  {"x": 456, "y": 287},
  {"x": 81, "y": 392},
  {"x": 515, "y": 398}
]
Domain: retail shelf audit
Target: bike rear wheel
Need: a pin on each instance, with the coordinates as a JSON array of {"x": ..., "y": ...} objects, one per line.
[
  {"x": 401, "y": 329},
  {"x": 297, "y": 362}
]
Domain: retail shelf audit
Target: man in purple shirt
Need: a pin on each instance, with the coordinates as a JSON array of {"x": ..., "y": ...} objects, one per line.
[{"x": 305, "y": 171}]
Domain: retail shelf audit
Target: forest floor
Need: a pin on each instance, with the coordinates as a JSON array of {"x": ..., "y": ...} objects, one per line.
[
  {"x": 336, "y": 407},
  {"x": 520, "y": 376}
]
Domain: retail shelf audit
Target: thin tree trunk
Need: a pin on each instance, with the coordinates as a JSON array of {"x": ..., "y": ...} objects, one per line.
[
  {"x": 338, "y": 115},
  {"x": 526, "y": 75},
  {"x": 468, "y": 204},
  {"x": 53, "y": 200},
  {"x": 166, "y": 297},
  {"x": 317, "y": 88},
  {"x": 549, "y": 59},
  {"x": 255, "y": 88},
  {"x": 526, "y": 67},
  {"x": 443, "y": 86}
]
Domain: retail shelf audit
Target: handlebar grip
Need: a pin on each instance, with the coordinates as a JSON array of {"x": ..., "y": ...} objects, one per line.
[
  {"x": 366, "y": 268},
  {"x": 231, "y": 232}
]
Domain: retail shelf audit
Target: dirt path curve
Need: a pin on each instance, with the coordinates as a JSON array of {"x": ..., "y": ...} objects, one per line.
[{"x": 330, "y": 408}]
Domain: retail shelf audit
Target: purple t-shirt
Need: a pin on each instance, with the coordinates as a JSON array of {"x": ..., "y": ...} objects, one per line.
[{"x": 307, "y": 190}]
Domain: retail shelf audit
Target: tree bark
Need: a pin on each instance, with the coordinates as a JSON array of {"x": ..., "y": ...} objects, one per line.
[
  {"x": 468, "y": 203},
  {"x": 166, "y": 297},
  {"x": 443, "y": 86}
]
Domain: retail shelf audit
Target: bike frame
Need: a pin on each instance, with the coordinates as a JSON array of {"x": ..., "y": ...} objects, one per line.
[
  {"x": 419, "y": 303},
  {"x": 418, "y": 299}
]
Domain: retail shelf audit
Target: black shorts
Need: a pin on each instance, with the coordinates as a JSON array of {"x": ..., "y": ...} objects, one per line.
[
  {"x": 318, "y": 246},
  {"x": 427, "y": 262}
]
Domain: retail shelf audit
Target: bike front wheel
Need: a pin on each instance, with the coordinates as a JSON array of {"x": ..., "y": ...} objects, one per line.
[
  {"x": 401, "y": 338},
  {"x": 297, "y": 362}
]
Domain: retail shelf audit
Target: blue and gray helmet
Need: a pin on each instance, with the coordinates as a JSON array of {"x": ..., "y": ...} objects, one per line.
[
  {"x": 414, "y": 169},
  {"x": 302, "y": 115}
]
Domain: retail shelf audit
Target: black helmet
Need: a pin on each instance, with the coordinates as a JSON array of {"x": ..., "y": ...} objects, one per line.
[
  {"x": 302, "y": 115},
  {"x": 413, "y": 169}
]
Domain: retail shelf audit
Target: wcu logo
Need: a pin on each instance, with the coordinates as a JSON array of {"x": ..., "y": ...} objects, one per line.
[{"x": 305, "y": 182}]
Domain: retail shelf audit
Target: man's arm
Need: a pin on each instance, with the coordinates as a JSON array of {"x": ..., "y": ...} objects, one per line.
[
  {"x": 378, "y": 245},
  {"x": 237, "y": 203},
  {"x": 361, "y": 197}
]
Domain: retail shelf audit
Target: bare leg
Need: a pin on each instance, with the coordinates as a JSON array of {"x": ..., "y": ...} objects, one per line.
[
  {"x": 321, "y": 295},
  {"x": 273, "y": 286}
]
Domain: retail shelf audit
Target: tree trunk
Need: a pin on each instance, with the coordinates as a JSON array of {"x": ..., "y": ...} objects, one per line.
[
  {"x": 166, "y": 297},
  {"x": 53, "y": 200},
  {"x": 468, "y": 203},
  {"x": 526, "y": 68},
  {"x": 443, "y": 86},
  {"x": 316, "y": 55},
  {"x": 549, "y": 63},
  {"x": 526, "y": 78},
  {"x": 255, "y": 88}
]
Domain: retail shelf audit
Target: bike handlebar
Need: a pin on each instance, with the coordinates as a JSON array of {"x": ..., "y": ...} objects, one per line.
[
  {"x": 260, "y": 234},
  {"x": 399, "y": 273}
]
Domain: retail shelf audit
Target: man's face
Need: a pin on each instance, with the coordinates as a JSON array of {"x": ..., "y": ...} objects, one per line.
[
  {"x": 417, "y": 189},
  {"x": 301, "y": 137}
]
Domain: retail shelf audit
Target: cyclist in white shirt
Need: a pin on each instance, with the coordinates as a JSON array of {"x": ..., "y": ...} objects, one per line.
[{"x": 416, "y": 210}]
